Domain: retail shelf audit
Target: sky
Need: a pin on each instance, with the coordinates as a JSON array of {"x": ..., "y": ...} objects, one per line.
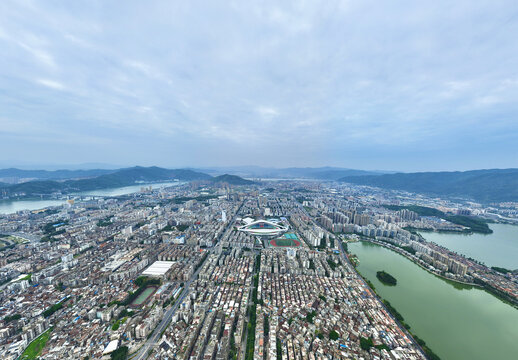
[{"x": 393, "y": 85}]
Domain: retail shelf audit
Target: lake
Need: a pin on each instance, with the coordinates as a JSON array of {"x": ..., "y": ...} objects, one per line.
[
  {"x": 497, "y": 249},
  {"x": 456, "y": 321}
]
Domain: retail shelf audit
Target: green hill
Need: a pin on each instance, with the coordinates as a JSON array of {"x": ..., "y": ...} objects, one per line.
[
  {"x": 130, "y": 176},
  {"x": 475, "y": 224},
  {"x": 122, "y": 177},
  {"x": 232, "y": 180},
  {"x": 485, "y": 186}
]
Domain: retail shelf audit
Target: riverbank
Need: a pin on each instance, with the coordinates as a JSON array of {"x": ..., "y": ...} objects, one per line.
[
  {"x": 415, "y": 261},
  {"x": 497, "y": 249},
  {"x": 495, "y": 292},
  {"x": 456, "y": 321},
  {"x": 403, "y": 326},
  {"x": 31, "y": 203}
]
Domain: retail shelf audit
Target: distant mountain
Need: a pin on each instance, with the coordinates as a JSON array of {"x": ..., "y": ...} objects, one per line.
[
  {"x": 336, "y": 174},
  {"x": 231, "y": 179},
  {"x": 34, "y": 187},
  {"x": 321, "y": 173},
  {"x": 19, "y": 174},
  {"x": 486, "y": 186},
  {"x": 118, "y": 178},
  {"x": 130, "y": 176}
]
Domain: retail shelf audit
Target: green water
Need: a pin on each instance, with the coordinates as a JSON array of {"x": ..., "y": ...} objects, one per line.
[
  {"x": 457, "y": 322},
  {"x": 143, "y": 296},
  {"x": 497, "y": 249}
]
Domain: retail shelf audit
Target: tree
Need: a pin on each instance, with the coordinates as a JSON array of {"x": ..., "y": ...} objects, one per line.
[
  {"x": 366, "y": 343},
  {"x": 140, "y": 280},
  {"x": 120, "y": 354}
]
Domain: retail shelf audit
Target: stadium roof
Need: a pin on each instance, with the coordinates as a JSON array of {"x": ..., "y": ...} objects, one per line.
[{"x": 263, "y": 228}]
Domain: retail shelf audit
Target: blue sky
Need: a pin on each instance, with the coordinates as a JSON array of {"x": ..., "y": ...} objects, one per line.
[{"x": 399, "y": 85}]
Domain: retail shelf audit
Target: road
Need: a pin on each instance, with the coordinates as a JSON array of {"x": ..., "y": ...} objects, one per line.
[
  {"x": 152, "y": 340},
  {"x": 143, "y": 352}
]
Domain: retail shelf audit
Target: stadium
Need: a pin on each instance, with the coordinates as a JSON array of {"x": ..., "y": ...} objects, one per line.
[{"x": 264, "y": 228}]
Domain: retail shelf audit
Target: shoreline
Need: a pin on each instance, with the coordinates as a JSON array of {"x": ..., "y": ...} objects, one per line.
[
  {"x": 406, "y": 331},
  {"x": 455, "y": 281},
  {"x": 380, "y": 243}
]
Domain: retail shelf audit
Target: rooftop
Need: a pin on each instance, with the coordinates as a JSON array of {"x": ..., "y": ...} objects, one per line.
[{"x": 158, "y": 268}]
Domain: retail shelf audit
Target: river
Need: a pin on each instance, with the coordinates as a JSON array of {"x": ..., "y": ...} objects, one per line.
[
  {"x": 497, "y": 249},
  {"x": 457, "y": 322},
  {"x": 12, "y": 206},
  {"x": 127, "y": 189}
]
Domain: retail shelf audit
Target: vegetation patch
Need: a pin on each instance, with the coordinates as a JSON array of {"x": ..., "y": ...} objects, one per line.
[
  {"x": 105, "y": 222},
  {"x": 386, "y": 278},
  {"x": 279, "y": 349},
  {"x": 333, "y": 335},
  {"x": 51, "y": 310},
  {"x": 366, "y": 343},
  {"x": 35, "y": 347},
  {"x": 331, "y": 264},
  {"x": 310, "y": 316},
  {"x": 120, "y": 354},
  {"x": 14, "y": 317},
  {"x": 252, "y": 313},
  {"x": 501, "y": 269},
  {"x": 429, "y": 353},
  {"x": 474, "y": 224}
]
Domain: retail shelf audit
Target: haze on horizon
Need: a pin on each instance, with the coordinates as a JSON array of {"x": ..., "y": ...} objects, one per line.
[{"x": 405, "y": 85}]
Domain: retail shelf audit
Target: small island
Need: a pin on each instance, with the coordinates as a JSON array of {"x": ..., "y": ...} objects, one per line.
[{"x": 386, "y": 278}]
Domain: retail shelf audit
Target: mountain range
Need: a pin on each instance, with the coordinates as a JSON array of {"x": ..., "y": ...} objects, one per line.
[
  {"x": 320, "y": 173},
  {"x": 115, "y": 178},
  {"x": 486, "y": 186},
  {"x": 15, "y": 175}
]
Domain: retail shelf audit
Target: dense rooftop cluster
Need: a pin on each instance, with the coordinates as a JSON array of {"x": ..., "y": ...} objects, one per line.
[{"x": 74, "y": 273}]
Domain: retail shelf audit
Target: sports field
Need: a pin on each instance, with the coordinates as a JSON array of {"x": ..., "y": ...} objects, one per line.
[
  {"x": 287, "y": 240},
  {"x": 144, "y": 296},
  {"x": 36, "y": 346}
]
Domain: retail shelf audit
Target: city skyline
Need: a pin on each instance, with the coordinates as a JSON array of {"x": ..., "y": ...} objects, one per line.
[
  {"x": 403, "y": 87},
  {"x": 260, "y": 180}
]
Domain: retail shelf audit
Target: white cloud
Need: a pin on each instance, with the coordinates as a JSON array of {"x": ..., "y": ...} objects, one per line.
[
  {"x": 322, "y": 71},
  {"x": 56, "y": 85},
  {"x": 40, "y": 55},
  {"x": 267, "y": 111}
]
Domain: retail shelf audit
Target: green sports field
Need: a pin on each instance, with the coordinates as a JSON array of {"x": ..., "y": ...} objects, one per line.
[
  {"x": 35, "y": 347},
  {"x": 285, "y": 243}
]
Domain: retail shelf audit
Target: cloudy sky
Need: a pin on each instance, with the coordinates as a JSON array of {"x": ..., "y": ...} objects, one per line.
[{"x": 395, "y": 85}]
